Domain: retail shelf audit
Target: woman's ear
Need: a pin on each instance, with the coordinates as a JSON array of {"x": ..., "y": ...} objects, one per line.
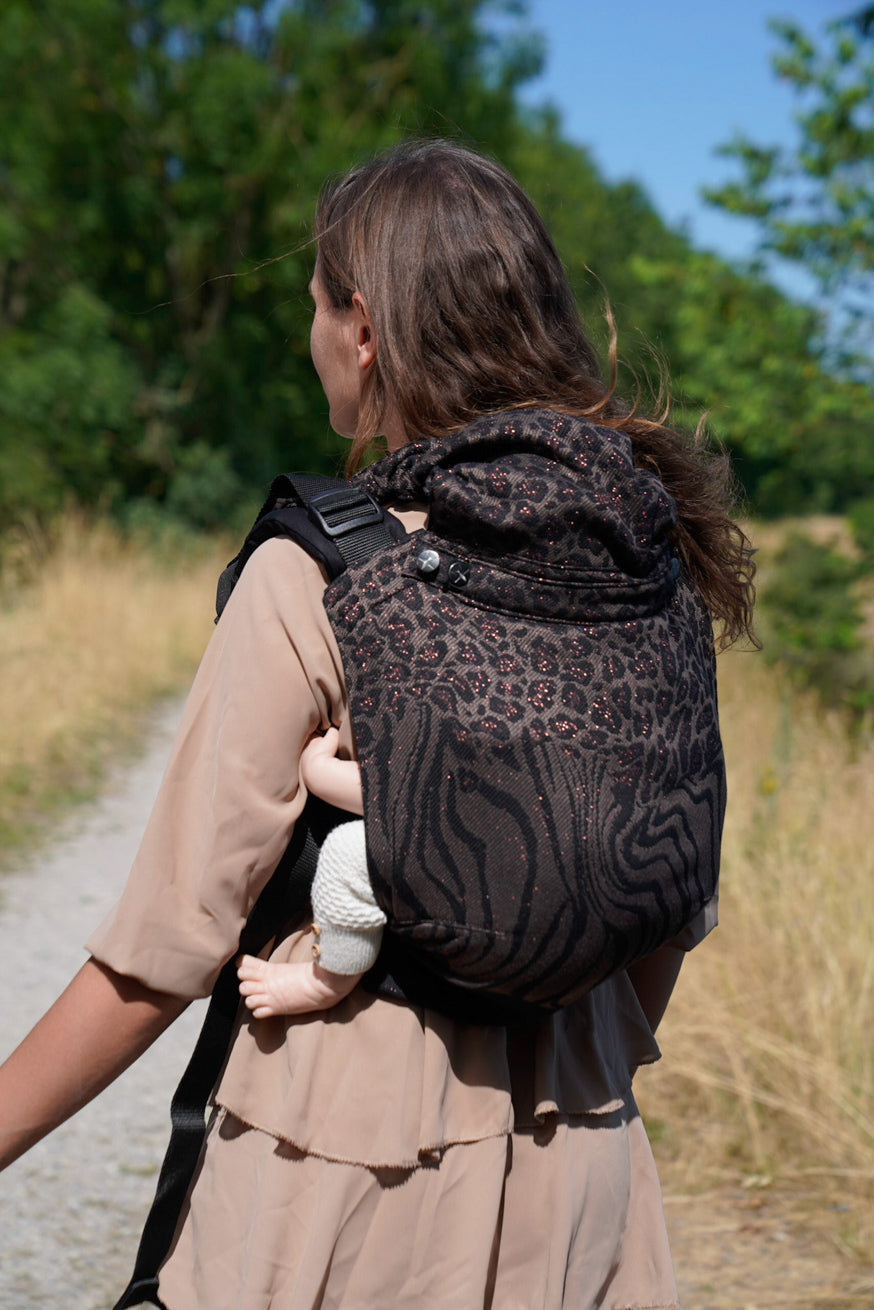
[{"x": 365, "y": 339}]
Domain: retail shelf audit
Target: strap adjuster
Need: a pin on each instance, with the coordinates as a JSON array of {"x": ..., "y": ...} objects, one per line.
[{"x": 339, "y": 512}]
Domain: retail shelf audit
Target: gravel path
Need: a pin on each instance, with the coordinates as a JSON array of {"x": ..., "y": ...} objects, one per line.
[{"x": 71, "y": 1210}]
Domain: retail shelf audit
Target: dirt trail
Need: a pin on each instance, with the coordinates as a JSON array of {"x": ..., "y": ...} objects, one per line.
[
  {"x": 736, "y": 1250},
  {"x": 70, "y": 1211}
]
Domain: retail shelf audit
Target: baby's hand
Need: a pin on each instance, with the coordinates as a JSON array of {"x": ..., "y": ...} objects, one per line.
[
  {"x": 323, "y": 744},
  {"x": 336, "y": 781}
]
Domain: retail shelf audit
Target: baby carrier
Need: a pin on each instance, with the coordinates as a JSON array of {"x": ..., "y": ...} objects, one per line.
[
  {"x": 531, "y": 681},
  {"x": 532, "y": 688}
]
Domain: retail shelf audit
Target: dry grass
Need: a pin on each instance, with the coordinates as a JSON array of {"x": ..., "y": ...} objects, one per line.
[
  {"x": 92, "y": 629},
  {"x": 770, "y": 1037}
]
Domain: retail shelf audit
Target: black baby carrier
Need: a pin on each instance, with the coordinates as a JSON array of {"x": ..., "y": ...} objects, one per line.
[{"x": 531, "y": 681}]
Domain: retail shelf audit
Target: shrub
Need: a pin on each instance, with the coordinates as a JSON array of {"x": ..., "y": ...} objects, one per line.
[{"x": 812, "y": 621}]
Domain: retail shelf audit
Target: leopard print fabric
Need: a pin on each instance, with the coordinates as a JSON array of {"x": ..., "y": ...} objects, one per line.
[{"x": 532, "y": 685}]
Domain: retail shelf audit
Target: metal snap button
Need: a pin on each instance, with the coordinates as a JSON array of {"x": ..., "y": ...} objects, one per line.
[
  {"x": 459, "y": 574},
  {"x": 427, "y": 562}
]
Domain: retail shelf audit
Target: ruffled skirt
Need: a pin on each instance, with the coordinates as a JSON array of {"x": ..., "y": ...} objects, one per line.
[{"x": 380, "y": 1156}]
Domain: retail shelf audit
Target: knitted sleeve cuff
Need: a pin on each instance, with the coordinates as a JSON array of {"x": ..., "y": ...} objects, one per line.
[
  {"x": 348, "y": 950},
  {"x": 344, "y": 906}
]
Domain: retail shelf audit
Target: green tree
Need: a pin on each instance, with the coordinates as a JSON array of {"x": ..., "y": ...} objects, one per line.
[
  {"x": 734, "y": 346},
  {"x": 600, "y": 229},
  {"x": 158, "y": 162},
  {"x": 815, "y": 203},
  {"x": 741, "y": 351},
  {"x": 812, "y": 622}
]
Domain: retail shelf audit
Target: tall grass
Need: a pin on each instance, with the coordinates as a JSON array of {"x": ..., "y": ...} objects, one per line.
[
  {"x": 92, "y": 629},
  {"x": 770, "y": 1037}
]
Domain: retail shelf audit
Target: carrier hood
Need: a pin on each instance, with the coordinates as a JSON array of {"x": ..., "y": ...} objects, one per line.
[{"x": 547, "y": 496}]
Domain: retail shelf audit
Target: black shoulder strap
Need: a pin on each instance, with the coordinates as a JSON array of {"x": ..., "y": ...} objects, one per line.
[
  {"x": 334, "y": 521},
  {"x": 338, "y": 524}
]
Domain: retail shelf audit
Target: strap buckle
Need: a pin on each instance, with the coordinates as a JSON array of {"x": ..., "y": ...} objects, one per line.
[{"x": 339, "y": 512}]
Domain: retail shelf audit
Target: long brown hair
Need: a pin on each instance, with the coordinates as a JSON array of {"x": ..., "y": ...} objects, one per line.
[{"x": 473, "y": 314}]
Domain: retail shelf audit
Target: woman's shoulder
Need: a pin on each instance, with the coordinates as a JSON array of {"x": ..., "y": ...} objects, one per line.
[
  {"x": 279, "y": 582},
  {"x": 279, "y": 564}
]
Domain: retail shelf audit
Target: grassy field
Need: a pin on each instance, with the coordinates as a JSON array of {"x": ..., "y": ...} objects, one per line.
[
  {"x": 769, "y": 1071},
  {"x": 92, "y": 630}
]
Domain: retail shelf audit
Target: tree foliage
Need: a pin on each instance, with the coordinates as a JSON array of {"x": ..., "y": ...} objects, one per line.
[
  {"x": 159, "y": 161},
  {"x": 815, "y": 203},
  {"x": 735, "y": 348},
  {"x": 813, "y": 622}
]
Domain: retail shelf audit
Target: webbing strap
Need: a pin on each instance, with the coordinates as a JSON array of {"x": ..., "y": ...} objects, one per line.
[
  {"x": 287, "y": 892},
  {"x": 348, "y": 515},
  {"x": 335, "y": 522}
]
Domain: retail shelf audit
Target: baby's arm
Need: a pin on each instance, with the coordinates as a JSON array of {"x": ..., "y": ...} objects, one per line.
[
  {"x": 348, "y": 936},
  {"x": 336, "y": 781},
  {"x": 349, "y": 931}
]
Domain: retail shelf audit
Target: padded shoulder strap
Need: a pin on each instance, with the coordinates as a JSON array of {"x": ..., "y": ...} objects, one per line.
[{"x": 335, "y": 522}]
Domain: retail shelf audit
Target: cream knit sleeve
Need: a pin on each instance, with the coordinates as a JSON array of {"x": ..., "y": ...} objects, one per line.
[{"x": 349, "y": 920}]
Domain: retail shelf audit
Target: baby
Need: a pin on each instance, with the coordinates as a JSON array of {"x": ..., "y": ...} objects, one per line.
[{"x": 348, "y": 922}]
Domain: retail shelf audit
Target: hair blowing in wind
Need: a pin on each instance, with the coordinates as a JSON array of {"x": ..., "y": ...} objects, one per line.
[{"x": 437, "y": 237}]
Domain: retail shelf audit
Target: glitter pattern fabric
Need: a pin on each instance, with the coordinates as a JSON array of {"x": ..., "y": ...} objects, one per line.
[{"x": 534, "y": 704}]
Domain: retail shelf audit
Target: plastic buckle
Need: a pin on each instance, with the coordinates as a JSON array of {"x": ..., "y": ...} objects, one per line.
[{"x": 339, "y": 512}]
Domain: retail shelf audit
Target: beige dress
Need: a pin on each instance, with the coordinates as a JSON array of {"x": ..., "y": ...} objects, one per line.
[{"x": 375, "y": 1155}]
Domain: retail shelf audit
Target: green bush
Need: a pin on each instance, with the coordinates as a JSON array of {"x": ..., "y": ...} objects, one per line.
[
  {"x": 860, "y": 516},
  {"x": 812, "y": 622},
  {"x": 204, "y": 490}
]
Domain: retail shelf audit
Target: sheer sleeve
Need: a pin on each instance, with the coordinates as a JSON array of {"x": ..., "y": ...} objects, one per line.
[{"x": 704, "y": 922}]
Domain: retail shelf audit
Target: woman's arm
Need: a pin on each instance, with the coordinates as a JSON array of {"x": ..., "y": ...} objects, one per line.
[
  {"x": 222, "y": 818},
  {"x": 654, "y": 978},
  {"x": 98, "y": 1026}
]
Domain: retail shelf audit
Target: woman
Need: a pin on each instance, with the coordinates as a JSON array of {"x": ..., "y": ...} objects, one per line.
[{"x": 380, "y": 1153}]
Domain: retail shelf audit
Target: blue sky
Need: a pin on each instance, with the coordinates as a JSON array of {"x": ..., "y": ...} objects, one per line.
[{"x": 652, "y": 88}]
